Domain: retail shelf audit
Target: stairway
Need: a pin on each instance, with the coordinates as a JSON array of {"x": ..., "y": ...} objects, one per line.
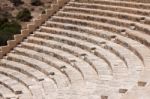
[{"x": 89, "y": 49}]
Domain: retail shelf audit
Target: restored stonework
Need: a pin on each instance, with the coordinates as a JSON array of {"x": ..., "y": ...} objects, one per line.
[{"x": 81, "y": 49}]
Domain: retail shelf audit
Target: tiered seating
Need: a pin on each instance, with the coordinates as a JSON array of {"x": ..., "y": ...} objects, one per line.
[{"x": 97, "y": 49}]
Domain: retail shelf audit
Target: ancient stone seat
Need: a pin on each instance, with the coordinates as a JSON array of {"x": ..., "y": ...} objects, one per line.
[{"x": 97, "y": 49}]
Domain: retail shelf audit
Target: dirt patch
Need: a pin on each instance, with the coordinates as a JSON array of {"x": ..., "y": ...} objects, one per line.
[{"x": 6, "y": 5}]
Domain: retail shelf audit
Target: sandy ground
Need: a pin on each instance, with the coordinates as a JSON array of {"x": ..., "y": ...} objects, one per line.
[{"x": 6, "y": 5}]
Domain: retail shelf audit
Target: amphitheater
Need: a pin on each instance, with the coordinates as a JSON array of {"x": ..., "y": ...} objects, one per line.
[{"x": 81, "y": 49}]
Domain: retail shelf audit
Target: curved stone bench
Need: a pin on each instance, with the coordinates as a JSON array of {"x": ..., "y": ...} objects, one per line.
[
  {"x": 97, "y": 49},
  {"x": 48, "y": 65}
]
